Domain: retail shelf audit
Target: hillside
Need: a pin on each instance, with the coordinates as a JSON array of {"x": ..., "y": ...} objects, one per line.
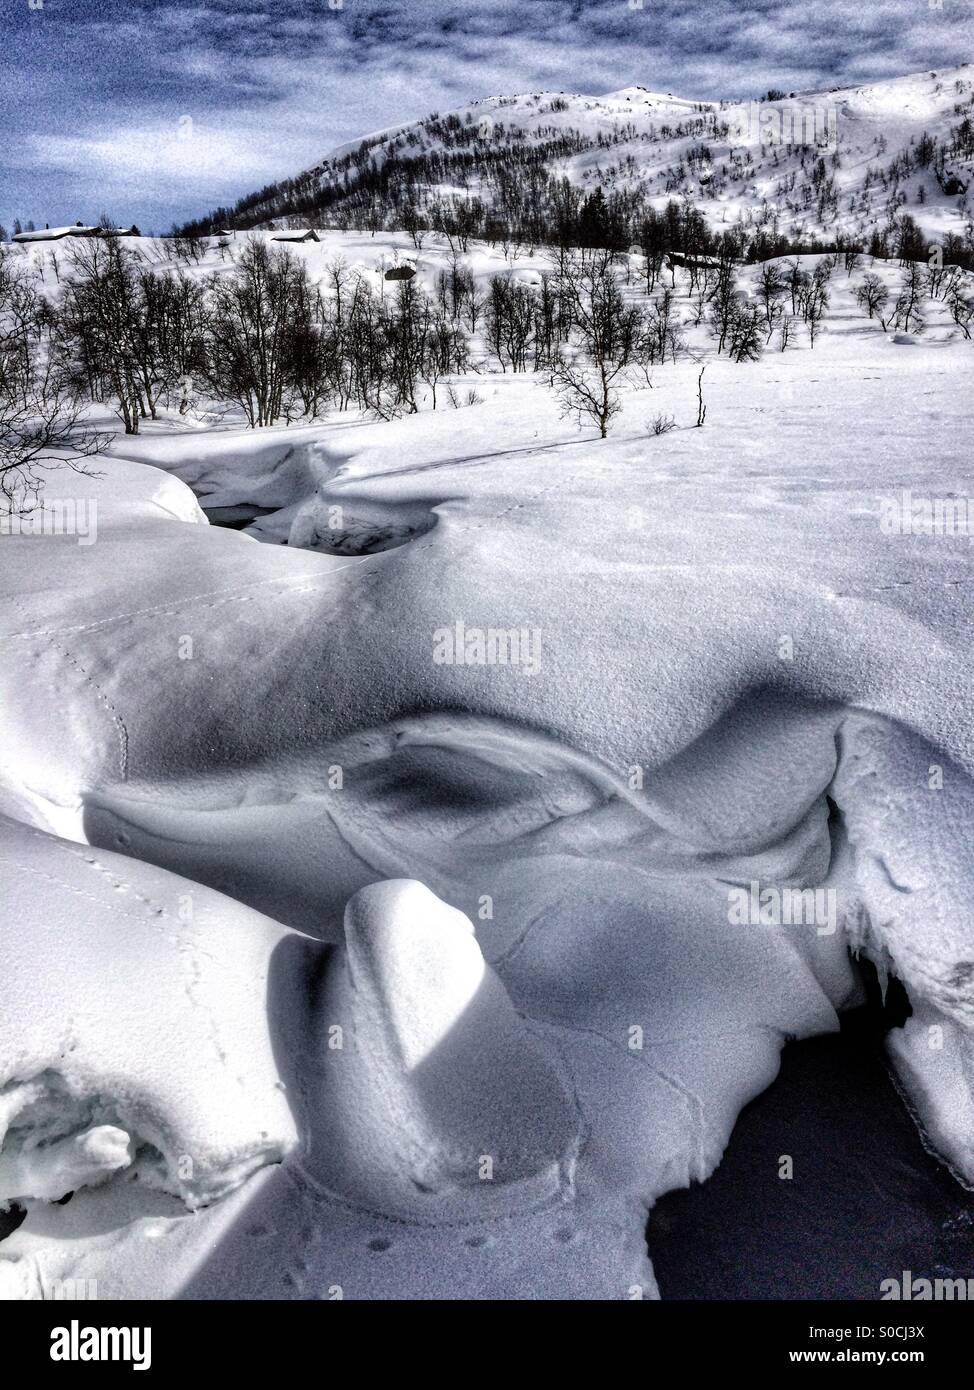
[{"x": 833, "y": 165}]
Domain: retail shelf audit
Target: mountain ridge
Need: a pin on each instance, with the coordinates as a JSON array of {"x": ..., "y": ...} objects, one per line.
[{"x": 839, "y": 163}]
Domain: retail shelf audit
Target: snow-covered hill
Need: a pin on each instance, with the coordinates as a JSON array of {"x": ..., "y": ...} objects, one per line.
[{"x": 841, "y": 162}]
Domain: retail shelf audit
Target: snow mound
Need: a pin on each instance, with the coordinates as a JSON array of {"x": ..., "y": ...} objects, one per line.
[
  {"x": 186, "y": 1096},
  {"x": 439, "y": 1087}
]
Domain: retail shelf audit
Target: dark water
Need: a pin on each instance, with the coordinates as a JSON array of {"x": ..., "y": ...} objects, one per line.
[
  {"x": 866, "y": 1200},
  {"x": 235, "y": 518},
  {"x": 10, "y": 1220}
]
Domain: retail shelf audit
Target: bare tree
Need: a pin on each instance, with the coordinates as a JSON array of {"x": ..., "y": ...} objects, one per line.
[
  {"x": 40, "y": 430},
  {"x": 661, "y": 334},
  {"x": 786, "y": 332},
  {"x": 585, "y": 391},
  {"x": 771, "y": 290},
  {"x": 813, "y": 300},
  {"x": 701, "y": 407},
  {"x": 723, "y": 304},
  {"x": 908, "y": 313},
  {"x": 41, "y": 417},
  {"x": 250, "y": 327},
  {"x": 512, "y": 312},
  {"x": 795, "y": 281},
  {"x": 744, "y": 337},
  {"x": 104, "y": 323},
  {"x": 608, "y": 334},
  {"x": 872, "y": 295},
  {"x": 962, "y": 311}
]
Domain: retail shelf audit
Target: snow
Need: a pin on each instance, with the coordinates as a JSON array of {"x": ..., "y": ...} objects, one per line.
[
  {"x": 185, "y": 1093},
  {"x": 638, "y": 139},
  {"x": 439, "y": 1090},
  {"x": 244, "y": 807},
  {"x": 56, "y": 233}
]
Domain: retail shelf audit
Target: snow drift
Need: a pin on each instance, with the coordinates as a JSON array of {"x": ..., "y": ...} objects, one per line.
[{"x": 329, "y": 965}]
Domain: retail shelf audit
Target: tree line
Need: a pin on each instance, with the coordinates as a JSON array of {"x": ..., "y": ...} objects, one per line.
[{"x": 262, "y": 336}]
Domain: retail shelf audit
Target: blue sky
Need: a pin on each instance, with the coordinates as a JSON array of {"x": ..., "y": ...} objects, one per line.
[{"x": 156, "y": 112}]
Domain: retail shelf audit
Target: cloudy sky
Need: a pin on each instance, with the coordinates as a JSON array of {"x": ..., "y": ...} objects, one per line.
[{"x": 158, "y": 111}]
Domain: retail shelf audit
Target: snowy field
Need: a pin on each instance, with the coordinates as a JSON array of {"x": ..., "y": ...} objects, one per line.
[{"x": 409, "y": 888}]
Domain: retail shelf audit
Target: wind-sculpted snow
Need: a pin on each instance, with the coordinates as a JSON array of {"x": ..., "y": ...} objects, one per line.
[
  {"x": 184, "y": 1084},
  {"x": 441, "y": 1091},
  {"x": 347, "y": 954}
]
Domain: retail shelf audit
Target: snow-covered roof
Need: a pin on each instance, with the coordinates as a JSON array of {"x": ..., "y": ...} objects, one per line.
[
  {"x": 56, "y": 233},
  {"x": 77, "y": 229}
]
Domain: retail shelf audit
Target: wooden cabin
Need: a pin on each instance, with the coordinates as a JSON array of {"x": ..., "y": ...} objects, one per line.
[{"x": 301, "y": 234}]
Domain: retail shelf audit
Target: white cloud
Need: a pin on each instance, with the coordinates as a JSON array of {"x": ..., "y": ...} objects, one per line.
[{"x": 185, "y": 150}]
